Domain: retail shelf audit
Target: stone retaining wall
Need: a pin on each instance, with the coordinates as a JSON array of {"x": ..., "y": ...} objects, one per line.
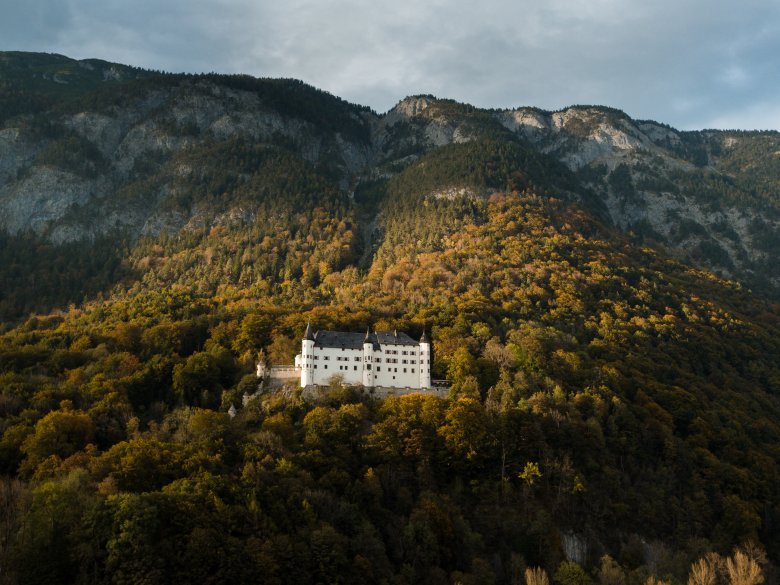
[{"x": 381, "y": 392}]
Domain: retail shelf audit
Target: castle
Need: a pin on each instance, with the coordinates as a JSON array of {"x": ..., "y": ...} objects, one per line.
[{"x": 381, "y": 359}]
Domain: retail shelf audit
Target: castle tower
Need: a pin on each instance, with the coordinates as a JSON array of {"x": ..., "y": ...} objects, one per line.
[
  {"x": 307, "y": 357},
  {"x": 425, "y": 361},
  {"x": 368, "y": 355}
]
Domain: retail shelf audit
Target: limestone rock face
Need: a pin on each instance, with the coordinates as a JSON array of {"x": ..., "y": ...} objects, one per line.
[
  {"x": 646, "y": 157},
  {"x": 135, "y": 141}
]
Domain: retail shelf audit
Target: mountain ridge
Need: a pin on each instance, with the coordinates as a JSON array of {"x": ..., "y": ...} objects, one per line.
[{"x": 113, "y": 154}]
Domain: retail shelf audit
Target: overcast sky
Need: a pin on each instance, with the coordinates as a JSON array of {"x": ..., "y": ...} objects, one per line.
[{"x": 689, "y": 63}]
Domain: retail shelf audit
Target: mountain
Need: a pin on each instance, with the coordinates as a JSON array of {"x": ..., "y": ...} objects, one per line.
[
  {"x": 93, "y": 151},
  {"x": 611, "y": 392}
]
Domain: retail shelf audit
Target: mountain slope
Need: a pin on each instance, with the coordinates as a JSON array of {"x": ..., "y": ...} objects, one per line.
[
  {"x": 709, "y": 197},
  {"x": 91, "y": 150},
  {"x": 644, "y": 392},
  {"x": 607, "y": 396}
]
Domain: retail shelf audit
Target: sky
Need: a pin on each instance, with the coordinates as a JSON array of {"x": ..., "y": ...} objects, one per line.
[{"x": 689, "y": 63}]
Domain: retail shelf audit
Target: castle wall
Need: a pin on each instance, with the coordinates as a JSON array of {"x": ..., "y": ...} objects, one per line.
[
  {"x": 336, "y": 361},
  {"x": 381, "y": 392},
  {"x": 397, "y": 366},
  {"x": 278, "y": 375}
]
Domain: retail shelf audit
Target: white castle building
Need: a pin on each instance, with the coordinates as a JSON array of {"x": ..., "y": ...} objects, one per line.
[{"x": 380, "y": 359}]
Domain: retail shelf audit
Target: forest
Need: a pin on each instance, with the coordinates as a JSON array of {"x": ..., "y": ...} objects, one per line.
[
  {"x": 601, "y": 394},
  {"x": 613, "y": 416}
]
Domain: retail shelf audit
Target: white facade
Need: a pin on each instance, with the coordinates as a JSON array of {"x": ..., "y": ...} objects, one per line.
[{"x": 384, "y": 358}]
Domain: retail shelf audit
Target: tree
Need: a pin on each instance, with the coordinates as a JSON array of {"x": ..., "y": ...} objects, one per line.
[
  {"x": 137, "y": 550},
  {"x": 253, "y": 334},
  {"x": 46, "y": 546},
  {"x": 705, "y": 571},
  {"x": 536, "y": 576},
  {"x": 407, "y": 428},
  {"x": 499, "y": 354},
  {"x": 61, "y": 433},
  {"x": 196, "y": 380},
  {"x": 610, "y": 572},
  {"x": 743, "y": 570},
  {"x": 282, "y": 350},
  {"x": 144, "y": 464},
  {"x": 570, "y": 573},
  {"x": 332, "y": 429},
  {"x": 530, "y": 473},
  {"x": 465, "y": 428},
  {"x": 462, "y": 365}
]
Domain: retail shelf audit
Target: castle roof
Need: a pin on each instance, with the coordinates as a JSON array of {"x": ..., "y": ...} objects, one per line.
[{"x": 356, "y": 340}]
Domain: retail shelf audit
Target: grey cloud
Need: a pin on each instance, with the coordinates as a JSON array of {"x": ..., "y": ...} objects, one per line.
[
  {"x": 30, "y": 25},
  {"x": 695, "y": 63}
]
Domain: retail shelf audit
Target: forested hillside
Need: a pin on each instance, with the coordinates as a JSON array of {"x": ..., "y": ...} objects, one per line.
[{"x": 614, "y": 409}]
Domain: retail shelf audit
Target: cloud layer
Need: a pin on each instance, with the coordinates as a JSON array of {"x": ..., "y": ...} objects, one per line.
[{"x": 690, "y": 63}]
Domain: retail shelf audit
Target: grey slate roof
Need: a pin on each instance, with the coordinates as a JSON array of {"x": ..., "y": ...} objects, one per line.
[
  {"x": 338, "y": 339},
  {"x": 392, "y": 337},
  {"x": 355, "y": 340}
]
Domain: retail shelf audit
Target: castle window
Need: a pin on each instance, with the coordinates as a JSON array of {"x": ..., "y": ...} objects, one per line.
[
  {"x": 368, "y": 366},
  {"x": 379, "y": 360},
  {"x": 326, "y": 366},
  {"x": 378, "y": 368},
  {"x": 404, "y": 370},
  {"x": 412, "y": 370},
  {"x": 315, "y": 366},
  {"x": 355, "y": 368},
  {"x": 403, "y": 361}
]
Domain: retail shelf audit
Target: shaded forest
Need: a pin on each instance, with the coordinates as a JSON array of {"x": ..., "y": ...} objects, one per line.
[
  {"x": 600, "y": 392},
  {"x": 613, "y": 414}
]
